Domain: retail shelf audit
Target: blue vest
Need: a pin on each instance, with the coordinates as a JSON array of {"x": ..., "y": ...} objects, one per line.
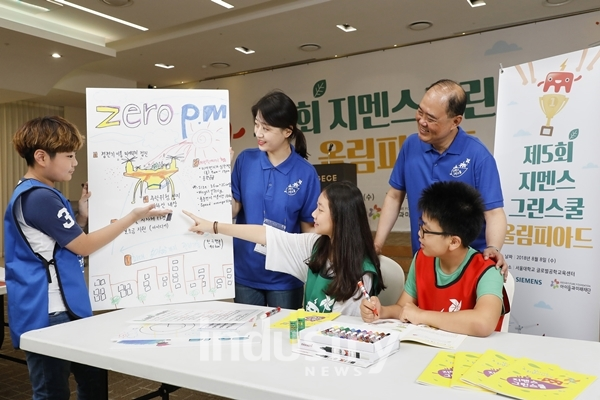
[{"x": 28, "y": 275}]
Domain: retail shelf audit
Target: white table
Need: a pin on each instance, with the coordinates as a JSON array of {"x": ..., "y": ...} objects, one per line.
[{"x": 269, "y": 370}]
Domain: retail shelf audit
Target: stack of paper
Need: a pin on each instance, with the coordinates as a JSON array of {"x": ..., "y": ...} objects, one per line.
[
  {"x": 439, "y": 371},
  {"x": 187, "y": 327},
  {"x": 519, "y": 378}
]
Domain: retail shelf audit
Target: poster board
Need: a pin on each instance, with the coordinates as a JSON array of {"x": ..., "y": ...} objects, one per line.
[
  {"x": 546, "y": 151},
  {"x": 171, "y": 148}
]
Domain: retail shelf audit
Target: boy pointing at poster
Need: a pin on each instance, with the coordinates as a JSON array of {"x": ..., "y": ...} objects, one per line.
[{"x": 45, "y": 245}]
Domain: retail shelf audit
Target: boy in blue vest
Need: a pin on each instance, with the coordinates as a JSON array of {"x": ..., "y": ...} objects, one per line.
[
  {"x": 44, "y": 247},
  {"x": 450, "y": 285}
]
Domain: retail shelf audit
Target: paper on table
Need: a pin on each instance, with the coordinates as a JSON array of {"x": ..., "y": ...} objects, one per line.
[
  {"x": 487, "y": 365},
  {"x": 197, "y": 316},
  {"x": 530, "y": 379},
  {"x": 421, "y": 334},
  {"x": 311, "y": 319},
  {"x": 463, "y": 360},
  {"x": 439, "y": 370},
  {"x": 170, "y": 334}
]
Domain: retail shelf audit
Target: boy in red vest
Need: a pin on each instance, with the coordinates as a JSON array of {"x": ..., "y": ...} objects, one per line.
[{"x": 450, "y": 285}]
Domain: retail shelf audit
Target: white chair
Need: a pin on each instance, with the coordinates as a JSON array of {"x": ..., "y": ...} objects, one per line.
[
  {"x": 393, "y": 278},
  {"x": 509, "y": 286}
]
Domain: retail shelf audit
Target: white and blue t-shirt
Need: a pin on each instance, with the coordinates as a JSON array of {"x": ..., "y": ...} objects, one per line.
[{"x": 282, "y": 196}]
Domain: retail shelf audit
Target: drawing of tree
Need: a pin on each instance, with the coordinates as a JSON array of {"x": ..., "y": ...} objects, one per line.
[
  {"x": 194, "y": 293},
  {"x": 213, "y": 291},
  {"x": 142, "y": 297},
  {"x": 115, "y": 301},
  {"x": 169, "y": 295}
]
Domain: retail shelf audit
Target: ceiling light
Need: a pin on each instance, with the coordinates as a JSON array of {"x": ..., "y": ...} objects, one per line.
[
  {"x": 555, "y": 3},
  {"x": 117, "y": 3},
  {"x": 310, "y": 47},
  {"x": 420, "y": 25},
  {"x": 476, "y": 3},
  {"x": 219, "y": 65},
  {"x": 244, "y": 50},
  {"x": 99, "y": 14},
  {"x": 165, "y": 66},
  {"x": 222, "y": 3},
  {"x": 346, "y": 27},
  {"x": 31, "y": 6},
  {"x": 56, "y": 55}
]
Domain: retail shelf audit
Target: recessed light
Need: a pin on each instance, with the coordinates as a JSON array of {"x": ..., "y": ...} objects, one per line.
[
  {"x": 476, "y": 3},
  {"x": 420, "y": 25},
  {"x": 346, "y": 27},
  {"x": 99, "y": 14},
  {"x": 219, "y": 65},
  {"x": 165, "y": 66},
  {"x": 56, "y": 55},
  {"x": 310, "y": 47},
  {"x": 222, "y": 3},
  {"x": 555, "y": 3},
  {"x": 244, "y": 50}
]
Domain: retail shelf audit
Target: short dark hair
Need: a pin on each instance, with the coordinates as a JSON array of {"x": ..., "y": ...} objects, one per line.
[
  {"x": 457, "y": 207},
  {"x": 457, "y": 98},
  {"x": 279, "y": 111},
  {"x": 51, "y": 134}
]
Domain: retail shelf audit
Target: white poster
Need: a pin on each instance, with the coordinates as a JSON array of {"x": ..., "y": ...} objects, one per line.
[
  {"x": 547, "y": 131},
  {"x": 171, "y": 148}
]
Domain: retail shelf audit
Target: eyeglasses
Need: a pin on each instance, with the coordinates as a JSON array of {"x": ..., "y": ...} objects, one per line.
[{"x": 425, "y": 231}]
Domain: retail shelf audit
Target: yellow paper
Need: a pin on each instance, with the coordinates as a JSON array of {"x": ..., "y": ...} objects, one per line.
[
  {"x": 487, "y": 365},
  {"x": 533, "y": 380},
  {"x": 463, "y": 361},
  {"x": 311, "y": 319},
  {"x": 439, "y": 370}
]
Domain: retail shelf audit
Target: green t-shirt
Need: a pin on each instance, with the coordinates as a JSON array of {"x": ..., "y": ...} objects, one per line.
[{"x": 490, "y": 283}]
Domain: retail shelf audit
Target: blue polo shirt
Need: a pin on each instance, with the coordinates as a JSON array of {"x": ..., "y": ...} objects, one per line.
[
  {"x": 466, "y": 160},
  {"x": 285, "y": 195}
]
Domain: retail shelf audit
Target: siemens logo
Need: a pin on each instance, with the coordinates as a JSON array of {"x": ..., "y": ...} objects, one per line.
[{"x": 529, "y": 281}]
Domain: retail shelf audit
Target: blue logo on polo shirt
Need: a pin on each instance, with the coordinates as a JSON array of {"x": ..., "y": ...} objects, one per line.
[
  {"x": 293, "y": 188},
  {"x": 460, "y": 169}
]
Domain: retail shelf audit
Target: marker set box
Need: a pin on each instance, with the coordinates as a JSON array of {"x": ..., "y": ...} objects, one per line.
[{"x": 349, "y": 340}]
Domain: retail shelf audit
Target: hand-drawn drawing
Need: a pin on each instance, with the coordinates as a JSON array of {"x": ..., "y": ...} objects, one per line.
[
  {"x": 154, "y": 177},
  {"x": 169, "y": 148}
]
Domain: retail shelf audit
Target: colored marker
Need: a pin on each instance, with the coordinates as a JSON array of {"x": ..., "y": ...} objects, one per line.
[
  {"x": 366, "y": 296},
  {"x": 271, "y": 312}
]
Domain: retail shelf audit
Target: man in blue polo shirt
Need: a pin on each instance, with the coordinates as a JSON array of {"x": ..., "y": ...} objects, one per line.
[{"x": 442, "y": 151}]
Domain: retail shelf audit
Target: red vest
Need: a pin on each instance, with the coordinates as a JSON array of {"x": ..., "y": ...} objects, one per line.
[{"x": 460, "y": 294}]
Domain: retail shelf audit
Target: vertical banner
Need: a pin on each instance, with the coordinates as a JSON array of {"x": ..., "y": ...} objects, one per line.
[
  {"x": 546, "y": 147},
  {"x": 170, "y": 148}
]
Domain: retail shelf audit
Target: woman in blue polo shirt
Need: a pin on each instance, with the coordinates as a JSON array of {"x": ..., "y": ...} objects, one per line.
[{"x": 272, "y": 185}]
